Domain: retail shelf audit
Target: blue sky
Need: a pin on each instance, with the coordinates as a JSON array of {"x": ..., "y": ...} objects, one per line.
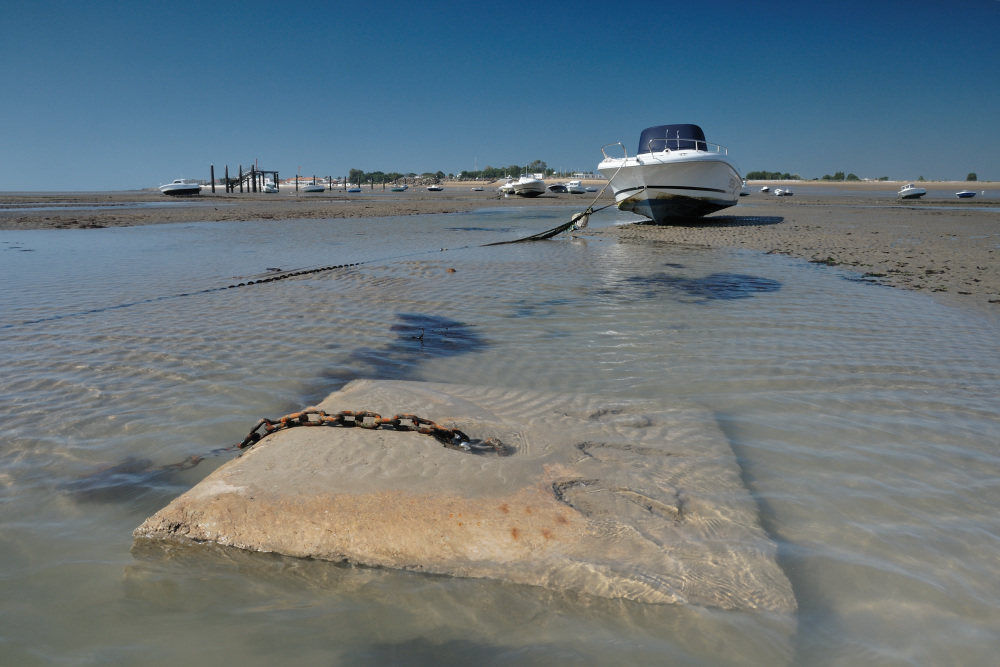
[{"x": 122, "y": 95}]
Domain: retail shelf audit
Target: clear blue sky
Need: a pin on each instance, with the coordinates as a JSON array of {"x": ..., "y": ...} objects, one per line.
[{"x": 121, "y": 95}]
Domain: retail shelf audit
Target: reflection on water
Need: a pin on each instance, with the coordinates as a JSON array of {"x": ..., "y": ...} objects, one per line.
[{"x": 865, "y": 421}]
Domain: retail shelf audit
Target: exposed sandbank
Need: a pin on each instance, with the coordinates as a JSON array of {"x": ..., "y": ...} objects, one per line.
[{"x": 939, "y": 244}]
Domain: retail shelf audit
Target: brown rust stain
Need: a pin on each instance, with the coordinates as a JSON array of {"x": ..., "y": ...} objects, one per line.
[{"x": 514, "y": 532}]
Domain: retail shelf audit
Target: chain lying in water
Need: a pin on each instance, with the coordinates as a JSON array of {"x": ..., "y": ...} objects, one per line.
[{"x": 449, "y": 437}]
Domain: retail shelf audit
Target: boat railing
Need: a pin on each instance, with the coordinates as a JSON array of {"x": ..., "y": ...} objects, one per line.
[
  {"x": 699, "y": 145},
  {"x": 610, "y": 157}
]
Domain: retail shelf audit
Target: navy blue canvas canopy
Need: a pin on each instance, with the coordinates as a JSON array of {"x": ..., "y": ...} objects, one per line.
[{"x": 672, "y": 137}]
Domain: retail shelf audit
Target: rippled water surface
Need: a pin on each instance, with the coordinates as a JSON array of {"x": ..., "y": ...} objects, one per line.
[{"x": 865, "y": 420}]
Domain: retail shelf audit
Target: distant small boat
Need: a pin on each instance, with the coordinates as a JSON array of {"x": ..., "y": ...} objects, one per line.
[
  {"x": 575, "y": 188},
  {"x": 558, "y": 188},
  {"x": 399, "y": 188},
  {"x": 965, "y": 194},
  {"x": 181, "y": 187},
  {"x": 269, "y": 187},
  {"x": 313, "y": 187},
  {"x": 910, "y": 191},
  {"x": 477, "y": 189},
  {"x": 354, "y": 189},
  {"x": 434, "y": 188},
  {"x": 764, "y": 188},
  {"x": 783, "y": 193}
]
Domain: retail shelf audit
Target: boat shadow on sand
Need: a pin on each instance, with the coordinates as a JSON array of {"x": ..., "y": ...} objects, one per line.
[{"x": 719, "y": 221}]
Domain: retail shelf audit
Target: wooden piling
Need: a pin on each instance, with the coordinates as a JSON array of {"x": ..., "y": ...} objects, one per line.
[
  {"x": 212, "y": 169},
  {"x": 228, "y": 186}
]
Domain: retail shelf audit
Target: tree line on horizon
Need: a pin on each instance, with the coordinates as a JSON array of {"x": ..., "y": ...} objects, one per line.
[
  {"x": 838, "y": 176},
  {"x": 485, "y": 174}
]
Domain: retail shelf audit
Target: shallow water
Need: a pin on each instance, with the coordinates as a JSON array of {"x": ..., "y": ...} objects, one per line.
[{"x": 865, "y": 420}]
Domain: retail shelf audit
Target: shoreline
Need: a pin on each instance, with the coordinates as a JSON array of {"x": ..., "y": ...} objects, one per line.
[{"x": 941, "y": 245}]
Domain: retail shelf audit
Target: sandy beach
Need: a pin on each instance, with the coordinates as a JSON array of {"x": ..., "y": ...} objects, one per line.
[{"x": 938, "y": 244}]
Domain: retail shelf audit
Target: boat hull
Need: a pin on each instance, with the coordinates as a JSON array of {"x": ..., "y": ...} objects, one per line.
[
  {"x": 672, "y": 185},
  {"x": 529, "y": 187},
  {"x": 180, "y": 190}
]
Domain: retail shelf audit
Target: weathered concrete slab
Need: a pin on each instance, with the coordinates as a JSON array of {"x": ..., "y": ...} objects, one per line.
[{"x": 631, "y": 501}]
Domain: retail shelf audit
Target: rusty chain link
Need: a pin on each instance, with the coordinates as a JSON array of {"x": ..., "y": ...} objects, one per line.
[{"x": 449, "y": 437}]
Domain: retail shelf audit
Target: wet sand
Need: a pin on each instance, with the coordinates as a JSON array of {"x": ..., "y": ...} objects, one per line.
[
  {"x": 145, "y": 207},
  {"x": 939, "y": 244},
  {"x": 951, "y": 254}
]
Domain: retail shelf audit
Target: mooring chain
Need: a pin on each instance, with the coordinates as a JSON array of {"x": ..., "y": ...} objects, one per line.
[
  {"x": 449, "y": 437},
  {"x": 291, "y": 274}
]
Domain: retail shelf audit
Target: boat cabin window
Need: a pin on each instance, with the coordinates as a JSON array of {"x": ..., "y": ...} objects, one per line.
[{"x": 672, "y": 137}]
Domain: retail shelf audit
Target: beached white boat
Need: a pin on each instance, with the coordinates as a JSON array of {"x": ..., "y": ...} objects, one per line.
[
  {"x": 558, "y": 188},
  {"x": 313, "y": 187},
  {"x": 676, "y": 173},
  {"x": 764, "y": 188},
  {"x": 575, "y": 188},
  {"x": 965, "y": 194},
  {"x": 434, "y": 188},
  {"x": 910, "y": 191},
  {"x": 399, "y": 188},
  {"x": 779, "y": 192},
  {"x": 269, "y": 187},
  {"x": 529, "y": 186},
  {"x": 181, "y": 186},
  {"x": 507, "y": 188}
]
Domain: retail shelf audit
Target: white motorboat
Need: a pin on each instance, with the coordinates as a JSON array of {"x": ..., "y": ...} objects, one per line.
[
  {"x": 313, "y": 187},
  {"x": 965, "y": 194},
  {"x": 764, "y": 188},
  {"x": 399, "y": 188},
  {"x": 910, "y": 191},
  {"x": 181, "y": 186},
  {"x": 576, "y": 188},
  {"x": 434, "y": 188},
  {"x": 676, "y": 173},
  {"x": 529, "y": 186},
  {"x": 778, "y": 192},
  {"x": 269, "y": 187},
  {"x": 558, "y": 188},
  {"x": 507, "y": 188}
]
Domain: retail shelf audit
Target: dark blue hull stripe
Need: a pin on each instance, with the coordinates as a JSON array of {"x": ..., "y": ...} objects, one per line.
[{"x": 670, "y": 187}]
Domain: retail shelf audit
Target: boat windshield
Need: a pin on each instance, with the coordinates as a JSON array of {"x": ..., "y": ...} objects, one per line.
[{"x": 672, "y": 137}]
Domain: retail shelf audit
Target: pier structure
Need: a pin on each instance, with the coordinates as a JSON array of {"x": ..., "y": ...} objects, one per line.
[{"x": 253, "y": 179}]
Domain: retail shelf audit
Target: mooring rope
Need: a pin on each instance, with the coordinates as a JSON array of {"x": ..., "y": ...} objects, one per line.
[{"x": 578, "y": 221}]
